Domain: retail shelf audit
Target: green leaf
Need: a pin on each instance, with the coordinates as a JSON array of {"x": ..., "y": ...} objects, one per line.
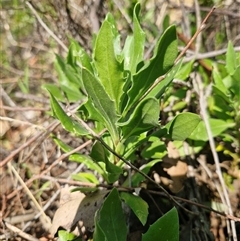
[
  {"x": 61, "y": 144},
  {"x": 144, "y": 117},
  {"x": 90, "y": 164},
  {"x": 134, "y": 45},
  {"x": 236, "y": 85},
  {"x": 159, "y": 90},
  {"x": 67, "y": 123},
  {"x": 98, "y": 233},
  {"x": 219, "y": 87},
  {"x": 185, "y": 71},
  {"x": 66, "y": 236},
  {"x": 77, "y": 57},
  {"x": 217, "y": 127},
  {"x": 137, "y": 204},
  {"x": 132, "y": 143},
  {"x": 100, "y": 101},
  {"x": 56, "y": 92},
  {"x": 110, "y": 220},
  {"x": 182, "y": 126},
  {"x": 179, "y": 105},
  {"x": 156, "y": 149},
  {"x": 230, "y": 59},
  {"x": 85, "y": 177},
  {"x": 110, "y": 71},
  {"x": 161, "y": 62},
  {"x": 99, "y": 154},
  {"x": 69, "y": 80},
  {"x": 166, "y": 228}
]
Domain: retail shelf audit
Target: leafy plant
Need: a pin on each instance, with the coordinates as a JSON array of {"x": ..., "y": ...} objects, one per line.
[{"x": 119, "y": 93}]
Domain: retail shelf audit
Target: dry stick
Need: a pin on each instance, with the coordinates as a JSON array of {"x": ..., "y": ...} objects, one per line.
[
  {"x": 46, "y": 218},
  {"x": 211, "y": 54},
  {"x": 8, "y": 100},
  {"x": 4, "y": 107},
  {"x": 22, "y": 122},
  {"x": 50, "y": 128},
  {"x": 202, "y": 62},
  {"x": 94, "y": 16},
  {"x": 203, "y": 108},
  {"x": 46, "y": 27},
  {"x": 9, "y": 196},
  {"x": 195, "y": 35},
  {"x": 198, "y": 21},
  {"x": 130, "y": 189},
  {"x": 52, "y": 199},
  {"x": 198, "y": 205},
  {"x": 197, "y": 46},
  {"x": 84, "y": 184},
  {"x": 181, "y": 54},
  {"x": 19, "y": 232}
]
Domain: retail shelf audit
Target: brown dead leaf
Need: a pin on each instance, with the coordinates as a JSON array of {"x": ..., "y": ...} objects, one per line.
[
  {"x": 78, "y": 212},
  {"x": 178, "y": 174},
  {"x": 172, "y": 151},
  {"x": 175, "y": 168}
]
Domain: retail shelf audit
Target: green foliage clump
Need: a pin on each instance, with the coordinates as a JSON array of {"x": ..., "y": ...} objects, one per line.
[{"x": 119, "y": 92}]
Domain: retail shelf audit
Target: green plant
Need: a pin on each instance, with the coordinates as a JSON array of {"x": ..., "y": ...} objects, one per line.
[
  {"x": 119, "y": 93},
  {"x": 223, "y": 104}
]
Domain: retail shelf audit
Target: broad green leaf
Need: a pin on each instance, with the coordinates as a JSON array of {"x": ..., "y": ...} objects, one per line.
[
  {"x": 219, "y": 87},
  {"x": 217, "y": 127},
  {"x": 137, "y": 204},
  {"x": 90, "y": 164},
  {"x": 69, "y": 80},
  {"x": 184, "y": 71},
  {"x": 143, "y": 118},
  {"x": 159, "y": 90},
  {"x": 161, "y": 62},
  {"x": 77, "y": 57},
  {"x": 61, "y": 144},
  {"x": 179, "y": 105},
  {"x": 110, "y": 71},
  {"x": 219, "y": 108},
  {"x": 85, "y": 177},
  {"x": 100, "y": 100},
  {"x": 156, "y": 149},
  {"x": 91, "y": 113},
  {"x": 182, "y": 126},
  {"x": 66, "y": 236},
  {"x": 165, "y": 228},
  {"x": 132, "y": 143},
  {"x": 99, "y": 154},
  {"x": 230, "y": 59},
  {"x": 66, "y": 121},
  {"x": 55, "y": 90},
  {"x": 161, "y": 132},
  {"x": 110, "y": 219},
  {"x": 98, "y": 234},
  {"x": 134, "y": 45}
]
